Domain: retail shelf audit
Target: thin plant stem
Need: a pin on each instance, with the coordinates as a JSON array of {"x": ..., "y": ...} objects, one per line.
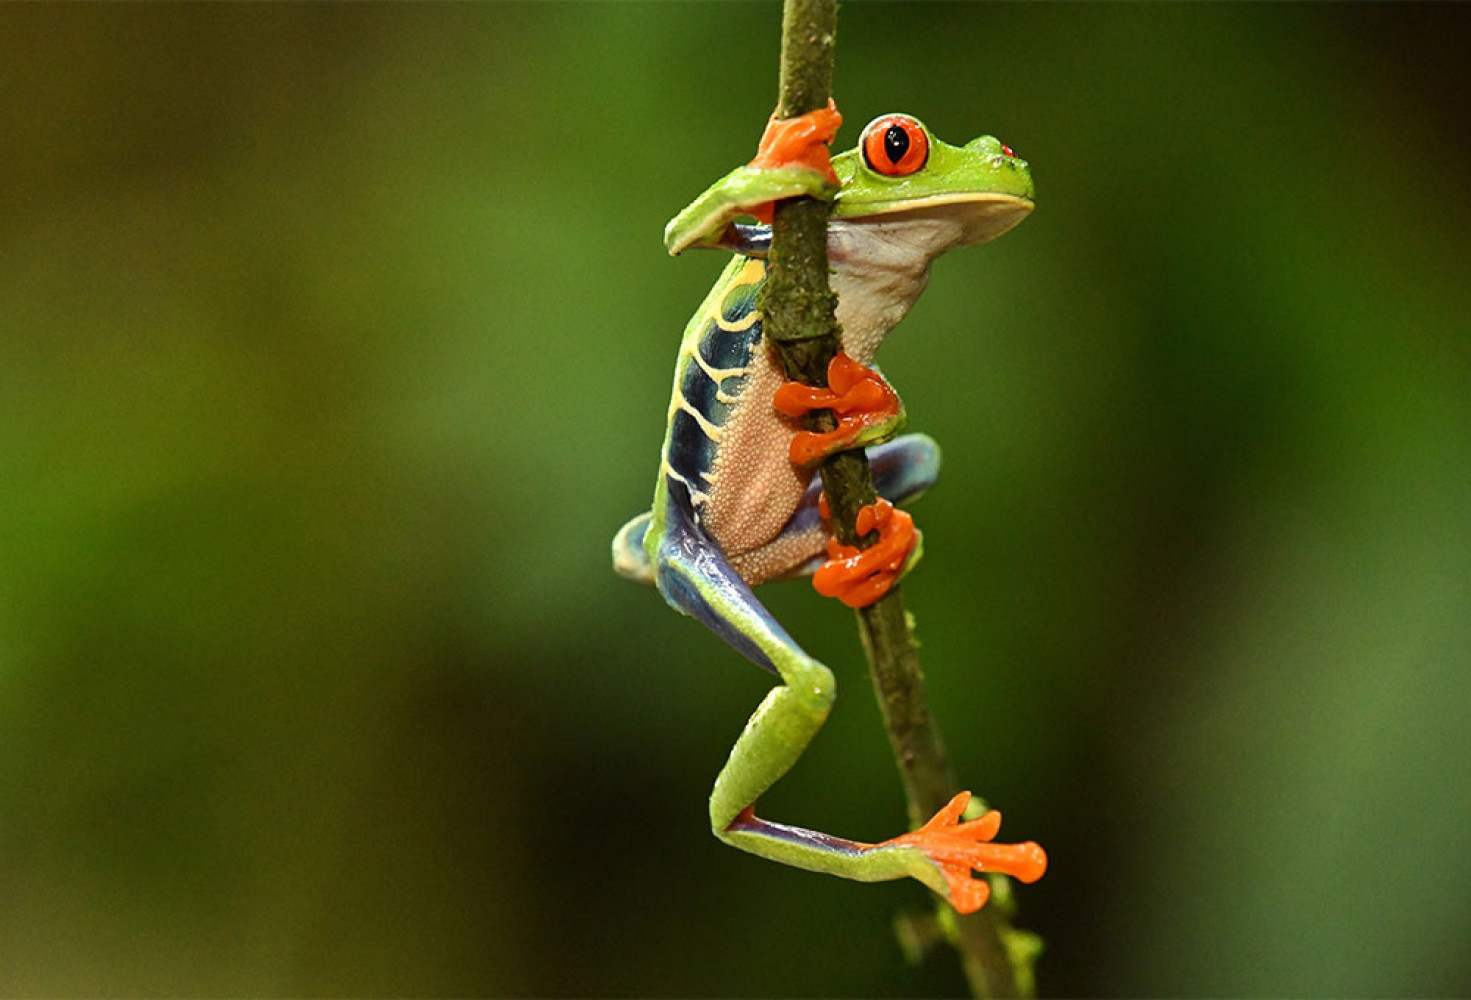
[{"x": 798, "y": 308}]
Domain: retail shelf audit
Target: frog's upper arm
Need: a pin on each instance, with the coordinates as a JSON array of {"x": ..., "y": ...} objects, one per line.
[
  {"x": 791, "y": 162},
  {"x": 748, "y": 241},
  {"x": 743, "y": 191}
]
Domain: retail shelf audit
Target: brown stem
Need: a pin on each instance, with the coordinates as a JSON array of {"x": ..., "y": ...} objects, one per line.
[{"x": 798, "y": 306}]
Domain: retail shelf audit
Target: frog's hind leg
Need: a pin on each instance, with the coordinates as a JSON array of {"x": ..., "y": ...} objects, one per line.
[{"x": 695, "y": 577}]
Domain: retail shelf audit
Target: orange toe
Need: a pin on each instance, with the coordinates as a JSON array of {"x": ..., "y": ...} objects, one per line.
[
  {"x": 859, "y": 577},
  {"x": 856, "y": 393},
  {"x": 957, "y": 849},
  {"x": 800, "y": 141}
]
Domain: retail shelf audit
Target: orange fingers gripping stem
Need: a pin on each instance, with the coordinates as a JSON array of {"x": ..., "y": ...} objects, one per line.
[
  {"x": 858, "y": 577},
  {"x": 957, "y": 848},
  {"x": 856, "y": 393},
  {"x": 797, "y": 142},
  {"x": 800, "y": 141}
]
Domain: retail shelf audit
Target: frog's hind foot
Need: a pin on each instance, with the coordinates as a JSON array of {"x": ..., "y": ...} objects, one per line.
[
  {"x": 956, "y": 849},
  {"x": 859, "y": 577},
  {"x": 942, "y": 854}
]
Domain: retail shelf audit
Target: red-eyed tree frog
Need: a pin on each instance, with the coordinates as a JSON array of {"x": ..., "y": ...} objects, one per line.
[{"x": 736, "y": 502}]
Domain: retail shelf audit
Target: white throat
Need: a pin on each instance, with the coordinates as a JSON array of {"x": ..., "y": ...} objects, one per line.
[{"x": 880, "y": 267}]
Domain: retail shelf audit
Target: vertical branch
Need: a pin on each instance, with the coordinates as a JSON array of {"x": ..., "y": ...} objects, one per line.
[{"x": 798, "y": 307}]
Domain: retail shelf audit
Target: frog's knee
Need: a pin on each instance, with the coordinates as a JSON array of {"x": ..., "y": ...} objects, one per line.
[{"x": 817, "y": 685}]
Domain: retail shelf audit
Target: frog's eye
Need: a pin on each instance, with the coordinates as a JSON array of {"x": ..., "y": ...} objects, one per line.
[{"x": 895, "y": 145}]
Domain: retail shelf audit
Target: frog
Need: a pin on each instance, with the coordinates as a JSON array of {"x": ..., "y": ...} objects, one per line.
[{"x": 737, "y": 502}]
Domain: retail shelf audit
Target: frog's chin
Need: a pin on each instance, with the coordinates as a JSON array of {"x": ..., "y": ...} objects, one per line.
[{"x": 967, "y": 217}]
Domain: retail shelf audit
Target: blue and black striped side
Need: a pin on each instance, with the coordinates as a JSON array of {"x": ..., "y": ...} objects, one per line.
[{"x": 710, "y": 377}]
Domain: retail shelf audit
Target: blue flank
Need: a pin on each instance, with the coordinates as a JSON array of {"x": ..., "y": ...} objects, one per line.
[{"x": 691, "y": 453}]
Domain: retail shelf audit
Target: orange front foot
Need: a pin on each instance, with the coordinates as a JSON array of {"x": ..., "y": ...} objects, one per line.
[
  {"x": 958, "y": 848},
  {"x": 856, "y": 393},
  {"x": 858, "y": 577},
  {"x": 797, "y": 142}
]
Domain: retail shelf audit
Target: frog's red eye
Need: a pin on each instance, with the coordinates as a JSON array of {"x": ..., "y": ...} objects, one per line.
[
  {"x": 1007, "y": 150},
  {"x": 895, "y": 145}
]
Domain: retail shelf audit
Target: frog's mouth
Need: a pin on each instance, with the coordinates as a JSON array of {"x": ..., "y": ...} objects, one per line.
[{"x": 977, "y": 216}]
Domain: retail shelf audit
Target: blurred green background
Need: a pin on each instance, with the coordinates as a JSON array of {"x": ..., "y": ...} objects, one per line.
[{"x": 335, "y": 344}]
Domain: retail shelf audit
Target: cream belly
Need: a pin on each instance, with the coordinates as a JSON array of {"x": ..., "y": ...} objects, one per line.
[
  {"x": 755, "y": 490},
  {"x": 879, "y": 270}
]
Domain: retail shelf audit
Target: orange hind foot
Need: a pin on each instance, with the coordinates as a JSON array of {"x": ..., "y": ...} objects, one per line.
[
  {"x": 958, "y": 848},
  {"x": 858, "y": 577}
]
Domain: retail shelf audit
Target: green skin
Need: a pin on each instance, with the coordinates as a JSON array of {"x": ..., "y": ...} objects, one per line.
[
  {"x": 963, "y": 194},
  {"x": 966, "y": 176}
]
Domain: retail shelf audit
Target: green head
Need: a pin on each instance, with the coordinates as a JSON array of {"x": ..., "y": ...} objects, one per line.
[{"x": 900, "y": 169}]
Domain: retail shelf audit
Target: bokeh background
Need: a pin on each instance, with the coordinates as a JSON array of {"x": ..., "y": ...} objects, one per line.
[{"x": 334, "y": 347}]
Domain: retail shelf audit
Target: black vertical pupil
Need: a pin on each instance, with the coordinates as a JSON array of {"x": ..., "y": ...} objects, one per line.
[{"x": 896, "y": 143}]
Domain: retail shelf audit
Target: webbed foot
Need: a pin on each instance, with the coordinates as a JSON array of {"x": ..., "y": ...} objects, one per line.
[
  {"x": 859, "y": 577},
  {"x": 868, "y": 410},
  {"x": 957, "y": 849}
]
